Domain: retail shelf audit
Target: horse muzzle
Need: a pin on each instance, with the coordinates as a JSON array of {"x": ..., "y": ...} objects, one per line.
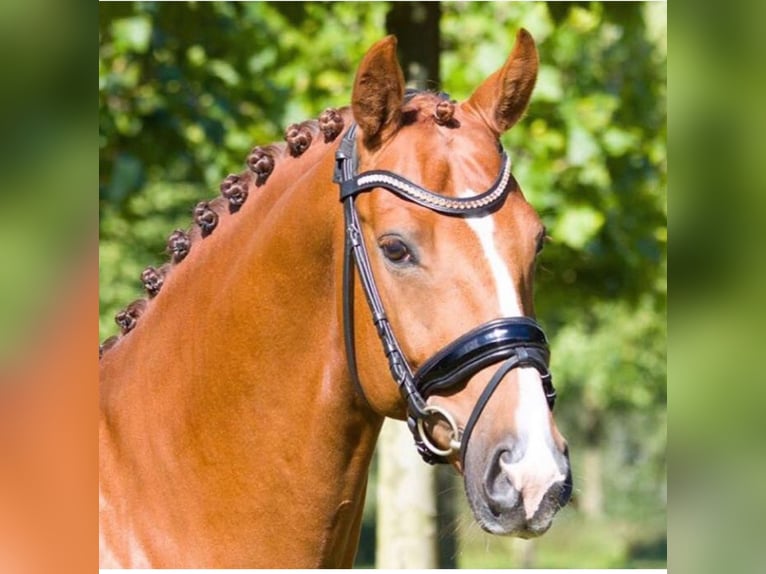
[
  {"x": 515, "y": 487},
  {"x": 517, "y": 475}
]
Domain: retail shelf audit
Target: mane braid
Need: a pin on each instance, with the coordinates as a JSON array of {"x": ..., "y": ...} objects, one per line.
[
  {"x": 235, "y": 190},
  {"x": 428, "y": 105}
]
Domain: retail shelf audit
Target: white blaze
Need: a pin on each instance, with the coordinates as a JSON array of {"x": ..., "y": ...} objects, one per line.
[
  {"x": 484, "y": 228},
  {"x": 537, "y": 470}
]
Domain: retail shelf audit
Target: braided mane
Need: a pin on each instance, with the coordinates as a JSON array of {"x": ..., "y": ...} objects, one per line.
[
  {"x": 237, "y": 187},
  {"x": 234, "y": 192}
]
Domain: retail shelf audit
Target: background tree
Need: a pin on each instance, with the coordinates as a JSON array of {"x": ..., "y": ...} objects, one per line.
[
  {"x": 185, "y": 90},
  {"x": 406, "y": 486}
]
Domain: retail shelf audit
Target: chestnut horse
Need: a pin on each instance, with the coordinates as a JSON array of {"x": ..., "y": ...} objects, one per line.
[{"x": 241, "y": 405}]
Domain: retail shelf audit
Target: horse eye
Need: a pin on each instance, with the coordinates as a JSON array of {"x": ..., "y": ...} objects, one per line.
[{"x": 395, "y": 250}]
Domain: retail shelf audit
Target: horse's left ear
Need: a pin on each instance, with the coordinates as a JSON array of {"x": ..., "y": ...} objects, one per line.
[
  {"x": 503, "y": 97},
  {"x": 378, "y": 91}
]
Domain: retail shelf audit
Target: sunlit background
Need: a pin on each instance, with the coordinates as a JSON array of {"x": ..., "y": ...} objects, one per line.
[
  {"x": 186, "y": 90},
  {"x": 717, "y": 87}
]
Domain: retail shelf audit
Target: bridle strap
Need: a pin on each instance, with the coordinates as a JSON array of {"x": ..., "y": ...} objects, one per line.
[
  {"x": 351, "y": 184},
  {"x": 398, "y": 365},
  {"x": 348, "y": 324},
  {"x": 517, "y": 339},
  {"x": 485, "y": 345},
  {"x": 413, "y": 192},
  {"x": 345, "y": 168},
  {"x": 525, "y": 356}
]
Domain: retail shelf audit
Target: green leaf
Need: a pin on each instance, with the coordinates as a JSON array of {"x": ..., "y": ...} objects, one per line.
[
  {"x": 581, "y": 146},
  {"x": 578, "y": 225},
  {"x": 132, "y": 34},
  {"x": 548, "y": 87},
  {"x": 618, "y": 141},
  {"x": 196, "y": 55},
  {"x": 224, "y": 71}
]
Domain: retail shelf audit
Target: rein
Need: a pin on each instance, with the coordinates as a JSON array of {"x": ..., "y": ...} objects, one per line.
[{"x": 519, "y": 341}]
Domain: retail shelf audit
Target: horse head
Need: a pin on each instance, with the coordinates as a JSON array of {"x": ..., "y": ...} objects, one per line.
[{"x": 449, "y": 243}]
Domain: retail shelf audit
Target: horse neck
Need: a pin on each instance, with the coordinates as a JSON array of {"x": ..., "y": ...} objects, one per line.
[{"x": 231, "y": 396}]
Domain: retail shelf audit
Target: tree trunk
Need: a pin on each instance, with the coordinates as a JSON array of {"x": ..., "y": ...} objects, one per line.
[
  {"x": 524, "y": 552},
  {"x": 407, "y": 527},
  {"x": 416, "y": 26},
  {"x": 592, "y": 500},
  {"x": 448, "y": 484},
  {"x": 406, "y": 532}
]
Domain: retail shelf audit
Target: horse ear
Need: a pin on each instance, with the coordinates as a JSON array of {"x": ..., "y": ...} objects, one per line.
[
  {"x": 503, "y": 97},
  {"x": 378, "y": 91}
]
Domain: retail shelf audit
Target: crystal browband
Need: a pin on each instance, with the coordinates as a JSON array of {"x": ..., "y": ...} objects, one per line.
[{"x": 435, "y": 201}]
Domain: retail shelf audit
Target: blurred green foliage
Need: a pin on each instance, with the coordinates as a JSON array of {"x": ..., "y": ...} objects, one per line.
[
  {"x": 185, "y": 90},
  {"x": 43, "y": 183}
]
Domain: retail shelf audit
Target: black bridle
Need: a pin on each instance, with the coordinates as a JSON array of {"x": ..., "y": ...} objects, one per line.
[{"x": 519, "y": 341}]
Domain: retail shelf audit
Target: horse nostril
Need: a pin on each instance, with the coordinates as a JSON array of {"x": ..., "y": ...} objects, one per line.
[{"x": 501, "y": 494}]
